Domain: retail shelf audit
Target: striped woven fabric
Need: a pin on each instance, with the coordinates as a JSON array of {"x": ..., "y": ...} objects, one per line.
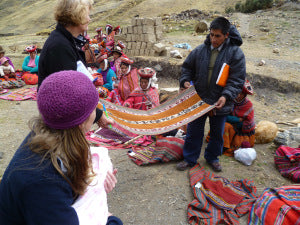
[
  {"x": 166, "y": 149},
  {"x": 287, "y": 160},
  {"x": 277, "y": 206},
  {"x": 218, "y": 200},
  {"x": 184, "y": 108}
]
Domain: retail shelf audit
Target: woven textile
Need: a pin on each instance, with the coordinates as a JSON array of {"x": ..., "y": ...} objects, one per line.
[
  {"x": 166, "y": 149},
  {"x": 287, "y": 160},
  {"x": 20, "y": 94},
  {"x": 218, "y": 200},
  {"x": 277, "y": 206},
  {"x": 175, "y": 113}
]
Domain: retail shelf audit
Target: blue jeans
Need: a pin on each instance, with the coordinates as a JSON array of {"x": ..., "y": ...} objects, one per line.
[{"x": 194, "y": 137}]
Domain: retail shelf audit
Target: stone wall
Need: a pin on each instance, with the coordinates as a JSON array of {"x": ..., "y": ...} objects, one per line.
[{"x": 141, "y": 36}]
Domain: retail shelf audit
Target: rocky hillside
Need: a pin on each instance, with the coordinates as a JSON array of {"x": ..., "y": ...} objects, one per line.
[{"x": 32, "y": 16}]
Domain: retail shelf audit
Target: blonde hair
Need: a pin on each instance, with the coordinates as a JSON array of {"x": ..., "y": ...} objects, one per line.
[
  {"x": 72, "y": 12},
  {"x": 70, "y": 146}
]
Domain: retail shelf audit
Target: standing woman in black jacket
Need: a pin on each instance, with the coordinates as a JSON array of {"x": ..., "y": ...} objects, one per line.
[{"x": 63, "y": 48}]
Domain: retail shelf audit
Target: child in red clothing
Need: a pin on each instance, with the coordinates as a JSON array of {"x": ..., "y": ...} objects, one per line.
[
  {"x": 6, "y": 70},
  {"x": 146, "y": 96}
]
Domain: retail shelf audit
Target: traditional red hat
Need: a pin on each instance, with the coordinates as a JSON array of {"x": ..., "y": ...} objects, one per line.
[
  {"x": 126, "y": 60},
  {"x": 121, "y": 44},
  {"x": 146, "y": 72},
  {"x": 117, "y": 28},
  {"x": 117, "y": 49},
  {"x": 30, "y": 48},
  {"x": 98, "y": 29},
  {"x": 247, "y": 88},
  {"x": 101, "y": 58}
]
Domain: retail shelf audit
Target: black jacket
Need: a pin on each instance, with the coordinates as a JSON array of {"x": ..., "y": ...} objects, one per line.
[
  {"x": 195, "y": 68},
  {"x": 61, "y": 51}
]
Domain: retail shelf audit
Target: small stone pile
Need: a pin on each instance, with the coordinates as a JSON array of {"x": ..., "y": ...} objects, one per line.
[{"x": 141, "y": 36}]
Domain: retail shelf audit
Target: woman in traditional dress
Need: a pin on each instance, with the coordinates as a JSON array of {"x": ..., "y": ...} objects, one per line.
[
  {"x": 2, "y": 54},
  {"x": 240, "y": 125},
  {"x": 31, "y": 62},
  {"x": 146, "y": 96},
  {"x": 107, "y": 73},
  {"x": 125, "y": 84}
]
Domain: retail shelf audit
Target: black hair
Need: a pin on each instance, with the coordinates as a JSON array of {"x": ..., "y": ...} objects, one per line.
[
  {"x": 123, "y": 63},
  {"x": 220, "y": 23}
]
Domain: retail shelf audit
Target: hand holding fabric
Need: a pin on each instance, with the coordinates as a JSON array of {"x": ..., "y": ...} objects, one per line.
[
  {"x": 110, "y": 181},
  {"x": 220, "y": 103}
]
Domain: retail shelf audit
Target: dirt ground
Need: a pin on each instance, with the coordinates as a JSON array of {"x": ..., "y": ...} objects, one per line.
[{"x": 159, "y": 194}]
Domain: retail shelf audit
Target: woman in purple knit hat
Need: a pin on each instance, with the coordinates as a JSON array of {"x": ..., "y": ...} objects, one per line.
[{"x": 55, "y": 177}]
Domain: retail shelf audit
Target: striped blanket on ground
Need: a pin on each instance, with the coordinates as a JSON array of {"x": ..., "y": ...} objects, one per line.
[
  {"x": 279, "y": 206},
  {"x": 20, "y": 94},
  {"x": 165, "y": 150},
  {"x": 184, "y": 108},
  {"x": 287, "y": 160},
  {"x": 218, "y": 200}
]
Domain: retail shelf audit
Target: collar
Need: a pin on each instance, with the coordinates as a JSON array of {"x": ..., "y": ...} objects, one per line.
[{"x": 219, "y": 48}]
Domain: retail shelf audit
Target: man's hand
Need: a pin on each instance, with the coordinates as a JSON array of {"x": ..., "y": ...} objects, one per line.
[
  {"x": 110, "y": 181},
  {"x": 186, "y": 84},
  {"x": 220, "y": 103},
  {"x": 104, "y": 121}
]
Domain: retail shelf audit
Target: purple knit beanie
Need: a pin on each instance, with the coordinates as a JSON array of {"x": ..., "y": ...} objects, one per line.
[{"x": 66, "y": 99}]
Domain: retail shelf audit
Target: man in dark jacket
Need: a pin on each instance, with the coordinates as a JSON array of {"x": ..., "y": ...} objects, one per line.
[{"x": 202, "y": 68}]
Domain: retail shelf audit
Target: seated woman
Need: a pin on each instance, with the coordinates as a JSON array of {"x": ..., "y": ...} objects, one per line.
[
  {"x": 31, "y": 62},
  {"x": 107, "y": 73},
  {"x": 2, "y": 54},
  {"x": 116, "y": 62},
  {"x": 240, "y": 124},
  {"x": 146, "y": 96},
  {"x": 125, "y": 84}
]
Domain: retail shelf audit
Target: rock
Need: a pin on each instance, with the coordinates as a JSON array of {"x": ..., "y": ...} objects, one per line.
[
  {"x": 201, "y": 27},
  {"x": 276, "y": 50},
  {"x": 1, "y": 155},
  {"x": 290, "y": 137},
  {"x": 264, "y": 29},
  {"x": 262, "y": 62},
  {"x": 265, "y": 132},
  {"x": 175, "y": 54},
  {"x": 159, "y": 47},
  {"x": 158, "y": 68}
]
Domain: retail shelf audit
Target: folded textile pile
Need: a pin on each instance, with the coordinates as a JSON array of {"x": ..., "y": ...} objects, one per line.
[
  {"x": 218, "y": 200},
  {"x": 287, "y": 160},
  {"x": 166, "y": 149},
  {"x": 277, "y": 206}
]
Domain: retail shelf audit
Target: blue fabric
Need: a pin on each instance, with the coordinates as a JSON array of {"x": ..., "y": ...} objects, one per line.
[
  {"x": 34, "y": 193},
  {"x": 183, "y": 45},
  {"x": 194, "y": 139},
  {"x": 109, "y": 76},
  {"x": 30, "y": 69},
  {"x": 112, "y": 220}
]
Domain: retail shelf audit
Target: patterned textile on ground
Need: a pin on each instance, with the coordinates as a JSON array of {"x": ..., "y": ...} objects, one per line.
[
  {"x": 166, "y": 149},
  {"x": 218, "y": 200},
  {"x": 21, "y": 94},
  {"x": 277, "y": 206},
  {"x": 182, "y": 109},
  {"x": 3, "y": 91},
  {"x": 287, "y": 160},
  {"x": 115, "y": 137}
]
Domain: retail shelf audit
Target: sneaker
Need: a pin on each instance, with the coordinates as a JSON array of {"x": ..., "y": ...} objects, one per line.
[
  {"x": 183, "y": 165},
  {"x": 216, "y": 166}
]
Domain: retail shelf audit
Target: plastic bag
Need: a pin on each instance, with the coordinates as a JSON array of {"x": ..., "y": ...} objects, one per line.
[{"x": 245, "y": 155}]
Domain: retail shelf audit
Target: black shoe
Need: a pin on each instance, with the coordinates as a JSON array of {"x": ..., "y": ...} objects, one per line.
[
  {"x": 216, "y": 166},
  {"x": 183, "y": 165}
]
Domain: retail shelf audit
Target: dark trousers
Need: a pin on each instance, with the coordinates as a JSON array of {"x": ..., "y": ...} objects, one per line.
[
  {"x": 194, "y": 139},
  {"x": 112, "y": 220}
]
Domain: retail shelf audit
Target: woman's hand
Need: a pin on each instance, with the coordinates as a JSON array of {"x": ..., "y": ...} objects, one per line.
[
  {"x": 110, "y": 181},
  {"x": 126, "y": 104},
  {"x": 104, "y": 121}
]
